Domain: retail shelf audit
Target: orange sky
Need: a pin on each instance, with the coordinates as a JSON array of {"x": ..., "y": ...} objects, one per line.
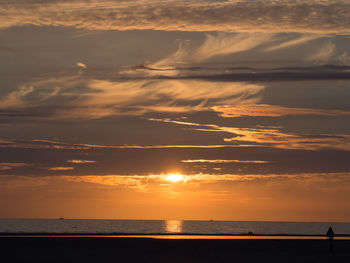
[{"x": 280, "y": 197}]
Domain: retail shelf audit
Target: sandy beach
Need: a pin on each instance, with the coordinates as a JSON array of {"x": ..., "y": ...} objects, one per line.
[{"x": 111, "y": 249}]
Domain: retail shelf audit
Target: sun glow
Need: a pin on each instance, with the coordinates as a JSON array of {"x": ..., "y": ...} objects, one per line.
[{"x": 175, "y": 177}]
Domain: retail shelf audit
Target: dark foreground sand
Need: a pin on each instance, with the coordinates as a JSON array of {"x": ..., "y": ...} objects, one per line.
[{"x": 109, "y": 249}]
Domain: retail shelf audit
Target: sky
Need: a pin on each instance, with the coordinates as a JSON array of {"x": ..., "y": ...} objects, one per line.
[{"x": 199, "y": 109}]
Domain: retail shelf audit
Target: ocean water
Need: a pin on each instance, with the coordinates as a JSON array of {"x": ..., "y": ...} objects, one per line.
[{"x": 163, "y": 227}]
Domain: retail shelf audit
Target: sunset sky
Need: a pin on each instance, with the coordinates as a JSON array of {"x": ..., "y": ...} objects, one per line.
[{"x": 162, "y": 109}]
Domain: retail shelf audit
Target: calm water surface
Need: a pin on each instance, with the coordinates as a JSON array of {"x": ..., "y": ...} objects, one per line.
[{"x": 73, "y": 226}]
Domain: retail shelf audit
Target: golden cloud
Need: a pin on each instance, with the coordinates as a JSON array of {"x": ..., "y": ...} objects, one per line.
[
  {"x": 101, "y": 98},
  {"x": 272, "y": 137},
  {"x": 223, "y": 161},
  {"x": 61, "y": 168},
  {"x": 256, "y": 110},
  {"x": 81, "y": 161}
]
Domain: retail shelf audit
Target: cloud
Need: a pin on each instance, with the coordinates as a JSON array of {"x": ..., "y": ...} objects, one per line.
[
  {"x": 224, "y": 44},
  {"x": 178, "y": 59},
  {"x": 140, "y": 97},
  {"x": 14, "y": 98},
  {"x": 324, "y": 54},
  {"x": 42, "y": 92},
  {"x": 136, "y": 182},
  {"x": 290, "y": 43},
  {"x": 171, "y": 70},
  {"x": 223, "y": 161},
  {"x": 277, "y": 138},
  {"x": 174, "y": 84},
  {"x": 214, "y": 45},
  {"x": 61, "y": 168},
  {"x": 49, "y": 144},
  {"x": 77, "y": 97},
  {"x": 256, "y": 156},
  {"x": 272, "y": 137},
  {"x": 230, "y": 16},
  {"x": 219, "y": 44},
  {"x": 256, "y": 110},
  {"x": 304, "y": 177},
  {"x": 81, "y": 161},
  {"x": 344, "y": 59},
  {"x": 10, "y": 166},
  {"x": 81, "y": 65}
]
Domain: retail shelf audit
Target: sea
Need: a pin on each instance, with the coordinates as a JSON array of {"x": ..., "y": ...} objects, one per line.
[{"x": 168, "y": 227}]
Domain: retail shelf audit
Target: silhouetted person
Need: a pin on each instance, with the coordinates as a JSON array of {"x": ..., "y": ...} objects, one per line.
[{"x": 330, "y": 235}]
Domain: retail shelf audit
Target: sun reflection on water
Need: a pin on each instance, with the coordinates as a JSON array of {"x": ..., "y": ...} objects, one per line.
[{"x": 173, "y": 226}]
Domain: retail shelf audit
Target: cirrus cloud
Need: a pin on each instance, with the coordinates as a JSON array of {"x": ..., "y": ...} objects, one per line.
[{"x": 78, "y": 97}]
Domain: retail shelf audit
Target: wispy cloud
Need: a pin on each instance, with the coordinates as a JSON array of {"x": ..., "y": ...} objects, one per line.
[
  {"x": 82, "y": 96},
  {"x": 81, "y": 161},
  {"x": 214, "y": 45},
  {"x": 324, "y": 54},
  {"x": 75, "y": 97},
  {"x": 220, "y": 44},
  {"x": 277, "y": 138},
  {"x": 258, "y": 136},
  {"x": 223, "y": 161},
  {"x": 61, "y": 168},
  {"x": 49, "y": 144},
  {"x": 238, "y": 16},
  {"x": 272, "y": 137},
  {"x": 293, "y": 42},
  {"x": 344, "y": 59},
  {"x": 224, "y": 44},
  {"x": 10, "y": 166},
  {"x": 255, "y": 110}
]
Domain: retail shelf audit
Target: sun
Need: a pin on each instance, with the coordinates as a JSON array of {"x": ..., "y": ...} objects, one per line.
[{"x": 175, "y": 177}]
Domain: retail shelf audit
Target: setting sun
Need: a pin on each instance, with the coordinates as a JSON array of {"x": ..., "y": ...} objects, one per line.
[{"x": 174, "y": 177}]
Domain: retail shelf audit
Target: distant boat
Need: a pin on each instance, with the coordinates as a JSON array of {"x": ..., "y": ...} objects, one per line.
[
  {"x": 61, "y": 218},
  {"x": 211, "y": 220}
]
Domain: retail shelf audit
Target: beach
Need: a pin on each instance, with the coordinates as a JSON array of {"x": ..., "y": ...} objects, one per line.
[{"x": 132, "y": 249}]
